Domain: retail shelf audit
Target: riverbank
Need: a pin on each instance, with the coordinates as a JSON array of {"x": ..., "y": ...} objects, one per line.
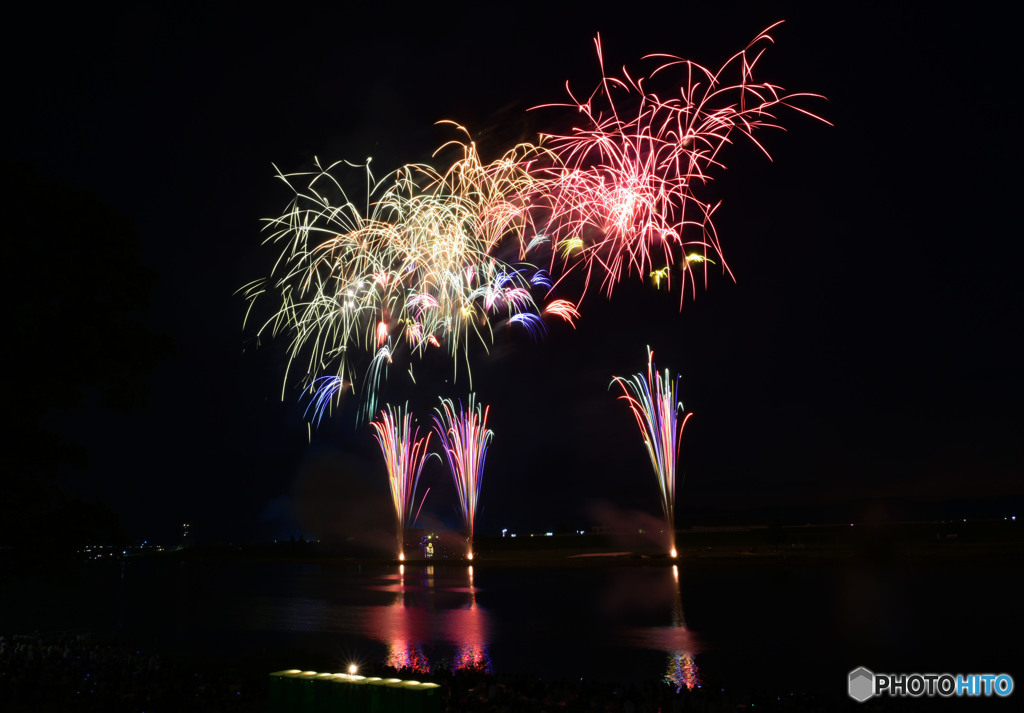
[
  {"x": 78, "y": 673},
  {"x": 915, "y": 542}
]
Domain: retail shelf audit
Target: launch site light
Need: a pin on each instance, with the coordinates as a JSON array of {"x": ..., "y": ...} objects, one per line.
[{"x": 295, "y": 691}]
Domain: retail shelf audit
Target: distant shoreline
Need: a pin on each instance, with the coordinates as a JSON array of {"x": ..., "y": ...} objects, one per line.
[{"x": 921, "y": 542}]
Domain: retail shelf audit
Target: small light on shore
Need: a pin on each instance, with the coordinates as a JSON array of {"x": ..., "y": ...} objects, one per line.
[{"x": 352, "y": 669}]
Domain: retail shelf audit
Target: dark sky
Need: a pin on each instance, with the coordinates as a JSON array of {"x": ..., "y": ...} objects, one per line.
[{"x": 869, "y": 348}]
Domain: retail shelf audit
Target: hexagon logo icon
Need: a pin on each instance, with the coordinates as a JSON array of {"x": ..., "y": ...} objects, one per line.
[{"x": 862, "y": 684}]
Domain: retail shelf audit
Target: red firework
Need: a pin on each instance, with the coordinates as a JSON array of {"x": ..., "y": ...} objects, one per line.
[{"x": 625, "y": 197}]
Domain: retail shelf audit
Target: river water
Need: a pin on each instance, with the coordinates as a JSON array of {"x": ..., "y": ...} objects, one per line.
[{"x": 777, "y": 625}]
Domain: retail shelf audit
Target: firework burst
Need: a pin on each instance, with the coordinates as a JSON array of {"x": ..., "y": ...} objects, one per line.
[
  {"x": 430, "y": 259},
  {"x": 625, "y": 188},
  {"x": 414, "y": 268}
]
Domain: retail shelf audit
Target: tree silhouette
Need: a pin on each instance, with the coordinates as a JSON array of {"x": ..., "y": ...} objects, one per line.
[{"x": 76, "y": 297}]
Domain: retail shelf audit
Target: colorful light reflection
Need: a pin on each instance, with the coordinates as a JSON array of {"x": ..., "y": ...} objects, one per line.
[
  {"x": 682, "y": 669},
  {"x": 468, "y": 627}
]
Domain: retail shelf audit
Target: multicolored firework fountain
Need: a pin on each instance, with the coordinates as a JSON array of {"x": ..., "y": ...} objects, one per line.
[
  {"x": 404, "y": 455},
  {"x": 652, "y": 399},
  {"x": 464, "y": 439}
]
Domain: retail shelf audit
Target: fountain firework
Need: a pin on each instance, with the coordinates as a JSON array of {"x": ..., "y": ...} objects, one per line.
[
  {"x": 464, "y": 438},
  {"x": 652, "y": 400},
  {"x": 405, "y": 454}
]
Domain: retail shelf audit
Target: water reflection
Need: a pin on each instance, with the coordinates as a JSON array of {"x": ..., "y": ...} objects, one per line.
[
  {"x": 402, "y": 629},
  {"x": 431, "y": 617},
  {"x": 407, "y": 628},
  {"x": 469, "y": 629},
  {"x": 661, "y": 593},
  {"x": 682, "y": 669}
]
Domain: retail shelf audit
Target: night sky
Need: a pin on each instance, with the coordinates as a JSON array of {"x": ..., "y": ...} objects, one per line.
[{"x": 867, "y": 359}]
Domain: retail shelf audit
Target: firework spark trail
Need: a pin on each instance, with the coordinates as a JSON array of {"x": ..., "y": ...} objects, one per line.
[
  {"x": 405, "y": 454},
  {"x": 564, "y": 309},
  {"x": 464, "y": 439},
  {"x": 323, "y": 390},
  {"x": 378, "y": 366},
  {"x": 624, "y": 189},
  {"x": 653, "y": 402}
]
